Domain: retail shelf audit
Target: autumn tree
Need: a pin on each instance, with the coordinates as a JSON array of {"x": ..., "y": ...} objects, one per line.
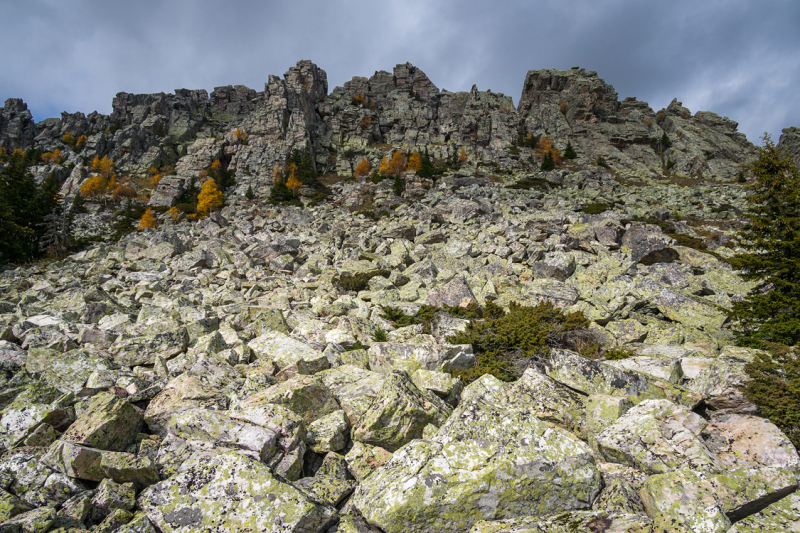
[
  {"x": 69, "y": 140},
  {"x": 148, "y": 220},
  {"x": 384, "y": 168},
  {"x": 80, "y": 143},
  {"x": 103, "y": 166},
  {"x": 362, "y": 169},
  {"x": 462, "y": 157},
  {"x": 292, "y": 183},
  {"x": 240, "y": 135},
  {"x": 277, "y": 175},
  {"x": 175, "y": 213},
  {"x": 414, "y": 162},
  {"x": 393, "y": 166},
  {"x": 209, "y": 199},
  {"x": 56, "y": 156},
  {"x": 93, "y": 187},
  {"x": 155, "y": 176},
  {"x": 544, "y": 147}
]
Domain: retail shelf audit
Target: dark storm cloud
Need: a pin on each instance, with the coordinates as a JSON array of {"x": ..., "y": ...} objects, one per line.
[{"x": 737, "y": 58}]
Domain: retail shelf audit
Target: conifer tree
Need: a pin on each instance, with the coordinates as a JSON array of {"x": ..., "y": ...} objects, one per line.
[
  {"x": 771, "y": 312},
  {"x": 209, "y": 199},
  {"x": 147, "y": 220},
  {"x": 569, "y": 152}
]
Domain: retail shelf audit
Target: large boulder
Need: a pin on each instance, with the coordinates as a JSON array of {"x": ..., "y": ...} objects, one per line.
[
  {"x": 108, "y": 423},
  {"x": 231, "y": 492},
  {"x": 490, "y": 461},
  {"x": 399, "y": 413}
]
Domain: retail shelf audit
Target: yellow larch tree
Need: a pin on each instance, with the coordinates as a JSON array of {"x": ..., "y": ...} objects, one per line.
[
  {"x": 277, "y": 175},
  {"x": 175, "y": 213},
  {"x": 104, "y": 166},
  {"x": 80, "y": 143},
  {"x": 147, "y": 220},
  {"x": 462, "y": 156},
  {"x": 544, "y": 146},
  {"x": 292, "y": 183},
  {"x": 397, "y": 164},
  {"x": 69, "y": 139},
  {"x": 56, "y": 156},
  {"x": 414, "y": 162},
  {"x": 362, "y": 169},
  {"x": 93, "y": 187},
  {"x": 210, "y": 198},
  {"x": 384, "y": 168}
]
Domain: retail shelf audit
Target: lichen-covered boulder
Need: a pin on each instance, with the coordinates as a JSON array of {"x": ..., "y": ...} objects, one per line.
[
  {"x": 621, "y": 486},
  {"x": 549, "y": 400},
  {"x": 399, "y": 413},
  {"x": 138, "y": 524},
  {"x": 656, "y": 437},
  {"x": 183, "y": 392},
  {"x": 108, "y": 423},
  {"x": 445, "y": 386},
  {"x": 143, "y": 350},
  {"x": 490, "y": 461},
  {"x": 219, "y": 430},
  {"x": 354, "y": 388},
  {"x": 32, "y": 406},
  {"x": 602, "y": 410},
  {"x": 593, "y": 521},
  {"x": 11, "y": 506},
  {"x": 37, "y": 521},
  {"x": 595, "y": 377},
  {"x": 95, "y": 465},
  {"x": 746, "y": 441},
  {"x": 110, "y": 496},
  {"x": 363, "y": 459},
  {"x": 722, "y": 383},
  {"x": 456, "y": 292},
  {"x": 783, "y": 515},
  {"x": 419, "y": 352},
  {"x": 67, "y": 372},
  {"x": 307, "y": 396},
  {"x": 712, "y": 502},
  {"x": 665, "y": 369},
  {"x": 230, "y": 492},
  {"x": 289, "y": 355},
  {"x": 329, "y": 433}
]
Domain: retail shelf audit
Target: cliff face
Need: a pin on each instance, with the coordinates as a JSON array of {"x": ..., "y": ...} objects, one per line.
[{"x": 368, "y": 117}]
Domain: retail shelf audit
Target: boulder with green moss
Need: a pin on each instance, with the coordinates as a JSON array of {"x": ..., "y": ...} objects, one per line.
[
  {"x": 230, "y": 492},
  {"x": 108, "y": 423},
  {"x": 490, "y": 461}
]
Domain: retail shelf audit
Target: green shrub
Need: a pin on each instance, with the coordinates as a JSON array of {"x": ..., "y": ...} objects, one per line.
[
  {"x": 595, "y": 208},
  {"x": 601, "y": 162},
  {"x": 539, "y": 184},
  {"x": 740, "y": 178},
  {"x": 506, "y": 344},
  {"x": 357, "y": 282},
  {"x": 775, "y": 387},
  {"x": 617, "y": 354},
  {"x": 249, "y": 194},
  {"x": 380, "y": 335}
]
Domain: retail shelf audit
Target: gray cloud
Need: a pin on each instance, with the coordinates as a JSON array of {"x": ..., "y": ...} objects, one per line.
[{"x": 737, "y": 58}]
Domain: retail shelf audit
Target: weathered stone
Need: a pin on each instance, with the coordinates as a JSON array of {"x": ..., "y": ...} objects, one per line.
[
  {"x": 657, "y": 436},
  {"x": 399, "y": 413},
  {"x": 604, "y": 521},
  {"x": 489, "y": 461},
  {"x": 183, "y": 392},
  {"x": 743, "y": 441},
  {"x": 363, "y": 459},
  {"x": 231, "y": 492},
  {"x": 291, "y": 356},
  {"x": 144, "y": 350},
  {"x": 329, "y": 433},
  {"x": 110, "y": 496},
  {"x": 108, "y": 423},
  {"x": 306, "y": 396},
  {"x": 602, "y": 411}
]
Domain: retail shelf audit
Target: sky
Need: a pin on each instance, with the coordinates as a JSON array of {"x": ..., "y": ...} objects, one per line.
[{"x": 740, "y": 59}]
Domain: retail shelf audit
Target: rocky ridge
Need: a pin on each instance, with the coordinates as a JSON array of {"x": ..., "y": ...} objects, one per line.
[{"x": 216, "y": 376}]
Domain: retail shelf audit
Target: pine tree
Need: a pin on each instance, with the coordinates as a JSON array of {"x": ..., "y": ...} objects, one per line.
[
  {"x": 426, "y": 167},
  {"x": 569, "y": 152},
  {"x": 771, "y": 312},
  {"x": 249, "y": 194},
  {"x": 399, "y": 185},
  {"x": 547, "y": 161}
]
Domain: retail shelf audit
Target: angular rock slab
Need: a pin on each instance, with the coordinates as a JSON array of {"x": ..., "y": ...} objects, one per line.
[
  {"x": 783, "y": 515},
  {"x": 108, "y": 424},
  {"x": 657, "y": 437},
  {"x": 399, "y": 413},
  {"x": 711, "y": 503},
  {"x": 591, "y": 521},
  {"x": 290, "y": 355},
  {"x": 490, "y": 461},
  {"x": 233, "y": 493},
  {"x": 594, "y": 377},
  {"x": 745, "y": 441}
]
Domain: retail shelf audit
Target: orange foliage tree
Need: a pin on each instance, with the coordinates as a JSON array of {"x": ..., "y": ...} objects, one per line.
[
  {"x": 56, "y": 156},
  {"x": 210, "y": 198},
  {"x": 69, "y": 139},
  {"x": 544, "y": 146},
  {"x": 81, "y": 142},
  {"x": 292, "y": 183},
  {"x": 362, "y": 169},
  {"x": 462, "y": 156},
  {"x": 175, "y": 213},
  {"x": 277, "y": 175},
  {"x": 104, "y": 166},
  {"x": 393, "y": 166},
  {"x": 155, "y": 176},
  {"x": 414, "y": 162},
  {"x": 93, "y": 187},
  {"x": 147, "y": 220}
]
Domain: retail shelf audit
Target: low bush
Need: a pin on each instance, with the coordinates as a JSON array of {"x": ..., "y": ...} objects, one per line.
[
  {"x": 596, "y": 208},
  {"x": 357, "y": 282}
]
